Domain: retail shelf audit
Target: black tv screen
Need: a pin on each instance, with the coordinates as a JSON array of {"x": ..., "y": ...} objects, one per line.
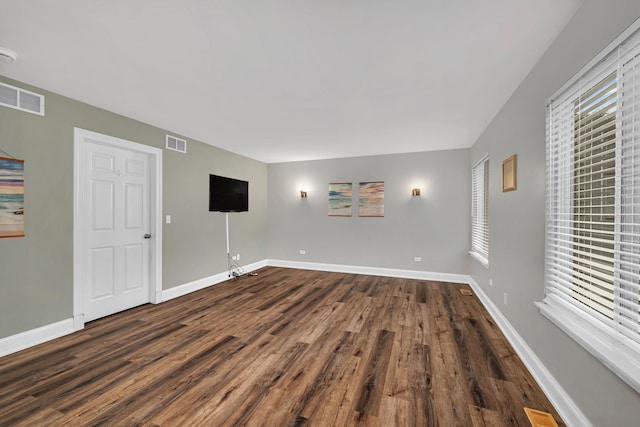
[{"x": 228, "y": 194}]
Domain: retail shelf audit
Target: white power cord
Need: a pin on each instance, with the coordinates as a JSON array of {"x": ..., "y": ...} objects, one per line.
[{"x": 235, "y": 269}]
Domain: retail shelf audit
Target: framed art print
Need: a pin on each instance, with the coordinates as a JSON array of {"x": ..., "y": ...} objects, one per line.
[
  {"x": 509, "y": 172},
  {"x": 371, "y": 199},
  {"x": 340, "y": 194},
  {"x": 11, "y": 197}
]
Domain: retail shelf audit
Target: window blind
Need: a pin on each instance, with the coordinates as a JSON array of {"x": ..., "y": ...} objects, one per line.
[
  {"x": 480, "y": 208},
  {"x": 592, "y": 259},
  {"x": 627, "y": 262}
]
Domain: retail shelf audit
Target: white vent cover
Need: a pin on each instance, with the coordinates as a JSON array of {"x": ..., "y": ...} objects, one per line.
[
  {"x": 20, "y": 99},
  {"x": 176, "y": 144}
]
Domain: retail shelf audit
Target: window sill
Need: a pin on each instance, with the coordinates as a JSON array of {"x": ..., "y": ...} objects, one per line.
[
  {"x": 598, "y": 339},
  {"x": 480, "y": 258}
]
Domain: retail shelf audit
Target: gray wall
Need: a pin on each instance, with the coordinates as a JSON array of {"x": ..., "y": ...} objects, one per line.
[
  {"x": 36, "y": 272},
  {"x": 516, "y": 226},
  {"x": 434, "y": 226}
]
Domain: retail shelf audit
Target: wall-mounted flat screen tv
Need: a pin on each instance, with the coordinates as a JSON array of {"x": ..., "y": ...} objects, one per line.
[{"x": 228, "y": 194}]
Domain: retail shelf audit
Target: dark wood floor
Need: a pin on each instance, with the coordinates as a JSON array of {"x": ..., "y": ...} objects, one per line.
[{"x": 284, "y": 348}]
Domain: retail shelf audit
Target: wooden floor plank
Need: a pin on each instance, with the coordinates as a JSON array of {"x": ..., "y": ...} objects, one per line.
[
  {"x": 284, "y": 348},
  {"x": 483, "y": 417},
  {"x": 372, "y": 382},
  {"x": 201, "y": 399}
]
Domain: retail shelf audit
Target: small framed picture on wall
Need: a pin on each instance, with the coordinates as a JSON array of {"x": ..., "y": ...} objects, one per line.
[{"x": 509, "y": 173}]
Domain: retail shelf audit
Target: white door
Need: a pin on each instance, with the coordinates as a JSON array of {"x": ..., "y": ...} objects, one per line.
[{"x": 115, "y": 228}]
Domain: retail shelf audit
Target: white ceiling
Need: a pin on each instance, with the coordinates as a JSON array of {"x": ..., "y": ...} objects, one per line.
[{"x": 288, "y": 80}]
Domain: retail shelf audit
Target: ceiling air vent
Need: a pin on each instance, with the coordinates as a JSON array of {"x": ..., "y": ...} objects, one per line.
[
  {"x": 176, "y": 144},
  {"x": 20, "y": 99}
]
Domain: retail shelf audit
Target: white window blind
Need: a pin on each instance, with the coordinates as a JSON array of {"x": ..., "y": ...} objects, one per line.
[
  {"x": 592, "y": 260},
  {"x": 480, "y": 209}
]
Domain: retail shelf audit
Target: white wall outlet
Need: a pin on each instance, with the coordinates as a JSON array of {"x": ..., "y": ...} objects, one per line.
[
  {"x": 491, "y": 282},
  {"x": 238, "y": 257},
  {"x": 168, "y": 219},
  {"x": 302, "y": 252},
  {"x": 417, "y": 259},
  {"x": 505, "y": 298}
]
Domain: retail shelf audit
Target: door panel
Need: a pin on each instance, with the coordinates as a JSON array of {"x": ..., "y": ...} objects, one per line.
[
  {"x": 103, "y": 161},
  {"x": 133, "y": 208},
  {"x": 102, "y": 205},
  {"x": 102, "y": 267},
  {"x": 133, "y": 278}
]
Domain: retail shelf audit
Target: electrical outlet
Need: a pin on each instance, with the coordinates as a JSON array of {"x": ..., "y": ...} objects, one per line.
[
  {"x": 238, "y": 257},
  {"x": 491, "y": 282},
  {"x": 417, "y": 259},
  {"x": 505, "y": 298},
  {"x": 168, "y": 219},
  {"x": 302, "y": 252}
]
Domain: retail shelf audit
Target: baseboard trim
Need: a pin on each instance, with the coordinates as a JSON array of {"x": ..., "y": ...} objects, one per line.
[
  {"x": 372, "y": 271},
  {"x": 196, "y": 285},
  {"x": 565, "y": 406},
  {"x": 33, "y": 337}
]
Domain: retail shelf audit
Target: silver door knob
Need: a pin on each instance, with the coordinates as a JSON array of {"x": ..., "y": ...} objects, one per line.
[{"x": 147, "y": 236}]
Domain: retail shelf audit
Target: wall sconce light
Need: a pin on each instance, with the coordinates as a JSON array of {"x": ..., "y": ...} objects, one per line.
[
  {"x": 415, "y": 192},
  {"x": 303, "y": 194}
]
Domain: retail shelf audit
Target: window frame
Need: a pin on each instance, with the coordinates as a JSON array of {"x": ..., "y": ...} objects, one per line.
[
  {"x": 480, "y": 252},
  {"x": 598, "y": 334}
]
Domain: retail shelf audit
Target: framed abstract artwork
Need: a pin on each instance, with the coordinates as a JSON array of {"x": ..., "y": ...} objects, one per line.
[
  {"x": 11, "y": 197},
  {"x": 340, "y": 195},
  {"x": 371, "y": 199}
]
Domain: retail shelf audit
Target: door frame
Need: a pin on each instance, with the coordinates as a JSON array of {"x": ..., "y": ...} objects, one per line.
[{"x": 155, "y": 214}]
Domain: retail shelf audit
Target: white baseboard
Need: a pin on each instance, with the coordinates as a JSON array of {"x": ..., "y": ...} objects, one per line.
[
  {"x": 372, "y": 271},
  {"x": 33, "y": 337},
  {"x": 565, "y": 406},
  {"x": 196, "y": 285}
]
